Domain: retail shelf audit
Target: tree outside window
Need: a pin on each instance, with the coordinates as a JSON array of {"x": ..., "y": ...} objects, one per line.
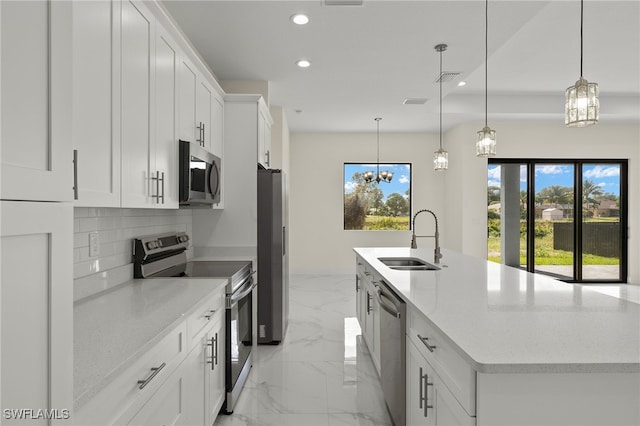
[{"x": 377, "y": 206}]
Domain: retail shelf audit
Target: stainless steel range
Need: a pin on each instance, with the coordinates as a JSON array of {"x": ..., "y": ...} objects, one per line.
[{"x": 164, "y": 255}]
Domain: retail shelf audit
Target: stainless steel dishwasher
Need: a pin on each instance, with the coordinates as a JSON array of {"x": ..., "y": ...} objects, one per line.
[{"x": 393, "y": 325}]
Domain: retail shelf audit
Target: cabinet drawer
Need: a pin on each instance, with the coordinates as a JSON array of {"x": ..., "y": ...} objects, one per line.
[
  {"x": 132, "y": 388},
  {"x": 454, "y": 371},
  {"x": 205, "y": 316}
]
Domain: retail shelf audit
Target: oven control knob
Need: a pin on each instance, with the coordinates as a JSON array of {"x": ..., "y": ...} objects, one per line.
[{"x": 152, "y": 245}]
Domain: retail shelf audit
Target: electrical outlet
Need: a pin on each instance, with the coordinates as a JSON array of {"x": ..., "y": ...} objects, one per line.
[{"x": 94, "y": 244}]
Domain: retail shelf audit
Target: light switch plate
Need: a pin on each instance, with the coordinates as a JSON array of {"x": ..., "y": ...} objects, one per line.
[{"x": 94, "y": 244}]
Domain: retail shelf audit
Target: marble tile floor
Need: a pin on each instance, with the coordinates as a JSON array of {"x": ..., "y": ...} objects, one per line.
[{"x": 322, "y": 374}]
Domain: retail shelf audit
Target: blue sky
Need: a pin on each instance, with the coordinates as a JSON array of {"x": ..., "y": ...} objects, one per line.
[
  {"x": 400, "y": 182},
  {"x": 605, "y": 175}
]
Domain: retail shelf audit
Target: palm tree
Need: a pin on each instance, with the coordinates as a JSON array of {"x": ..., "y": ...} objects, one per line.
[{"x": 591, "y": 193}]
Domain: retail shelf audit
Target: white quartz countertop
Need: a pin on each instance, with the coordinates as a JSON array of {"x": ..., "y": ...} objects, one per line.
[
  {"x": 112, "y": 329},
  {"x": 503, "y": 319}
]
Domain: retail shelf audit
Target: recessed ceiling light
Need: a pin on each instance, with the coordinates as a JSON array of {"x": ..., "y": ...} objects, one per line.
[
  {"x": 303, "y": 63},
  {"x": 462, "y": 83},
  {"x": 300, "y": 19}
]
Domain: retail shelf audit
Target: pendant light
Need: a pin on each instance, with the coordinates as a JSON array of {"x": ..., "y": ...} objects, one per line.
[
  {"x": 581, "y": 105},
  {"x": 440, "y": 157},
  {"x": 486, "y": 144},
  {"x": 384, "y": 176}
]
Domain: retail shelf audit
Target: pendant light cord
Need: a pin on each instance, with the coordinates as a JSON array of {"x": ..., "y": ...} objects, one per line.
[
  {"x": 486, "y": 55},
  {"x": 441, "y": 99},
  {"x": 378, "y": 144},
  {"x": 581, "y": 22}
]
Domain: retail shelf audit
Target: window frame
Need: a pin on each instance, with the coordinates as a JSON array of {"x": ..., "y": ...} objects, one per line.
[
  {"x": 386, "y": 164},
  {"x": 577, "y": 208}
]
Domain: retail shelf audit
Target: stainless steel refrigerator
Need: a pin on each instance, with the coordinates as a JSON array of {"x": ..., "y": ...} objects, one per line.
[{"x": 273, "y": 268}]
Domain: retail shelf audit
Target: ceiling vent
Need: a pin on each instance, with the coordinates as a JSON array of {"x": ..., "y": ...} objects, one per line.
[
  {"x": 342, "y": 2},
  {"x": 415, "y": 101},
  {"x": 447, "y": 76}
]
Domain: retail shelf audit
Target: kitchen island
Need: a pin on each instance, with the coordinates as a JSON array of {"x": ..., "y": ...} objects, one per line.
[{"x": 506, "y": 346}]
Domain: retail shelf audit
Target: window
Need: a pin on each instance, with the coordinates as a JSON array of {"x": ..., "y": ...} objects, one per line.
[
  {"x": 565, "y": 218},
  {"x": 377, "y": 206}
]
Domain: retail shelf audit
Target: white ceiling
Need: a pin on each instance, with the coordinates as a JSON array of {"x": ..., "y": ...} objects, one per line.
[{"x": 366, "y": 60}]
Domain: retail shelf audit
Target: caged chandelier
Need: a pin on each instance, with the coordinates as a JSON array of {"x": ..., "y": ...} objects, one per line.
[
  {"x": 581, "y": 105},
  {"x": 486, "y": 144},
  {"x": 440, "y": 157},
  {"x": 383, "y": 176}
]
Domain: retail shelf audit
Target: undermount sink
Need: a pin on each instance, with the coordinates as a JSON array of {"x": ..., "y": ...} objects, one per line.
[{"x": 407, "y": 264}]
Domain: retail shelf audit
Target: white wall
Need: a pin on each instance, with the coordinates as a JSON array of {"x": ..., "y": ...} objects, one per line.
[
  {"x": 318, "y": 242},
  {"x": 466, "y": 182}
]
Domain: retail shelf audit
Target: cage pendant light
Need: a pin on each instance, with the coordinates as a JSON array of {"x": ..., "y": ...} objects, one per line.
[
  {"x": 384, "y": 176},
  {"x": 440, "y": 157},
  {"x": 581, "y": 105},
  {"x": 486, "y": 144}
]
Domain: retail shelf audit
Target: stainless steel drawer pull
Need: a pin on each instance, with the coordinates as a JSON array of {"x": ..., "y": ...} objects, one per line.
[
  {"x": 425, "y": 340},
  {"x": 154, "y": 373},
  {"x": 210, "y": 314},
  {"x": 369, "y": 297}
]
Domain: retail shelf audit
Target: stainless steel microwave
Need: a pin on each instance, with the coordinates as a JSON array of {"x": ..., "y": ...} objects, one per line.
[{"x": 200, "y": 176}]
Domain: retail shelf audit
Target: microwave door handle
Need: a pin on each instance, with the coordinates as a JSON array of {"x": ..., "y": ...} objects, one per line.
[{"x": 214, "y": 173}]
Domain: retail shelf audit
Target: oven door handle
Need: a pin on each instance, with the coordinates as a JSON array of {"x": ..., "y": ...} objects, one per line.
[{"x": 235, "y": 298}]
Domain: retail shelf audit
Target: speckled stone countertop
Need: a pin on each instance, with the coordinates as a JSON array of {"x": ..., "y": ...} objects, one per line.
[
  {"x": 112, "y": 329},
  {"x": 505, "y": 320}
]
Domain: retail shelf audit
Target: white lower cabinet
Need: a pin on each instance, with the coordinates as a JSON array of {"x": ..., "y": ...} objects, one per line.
[
  {"x": 429, "y": 401},
  {"x": 167, "y": 406},
  {"x": 204, "y": 366},
  {"x": 36, "y": 310}
]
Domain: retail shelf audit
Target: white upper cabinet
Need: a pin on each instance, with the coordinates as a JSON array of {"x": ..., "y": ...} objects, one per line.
[
  {"x": 201, "y": 109},
  {"x": 35, "y": 111},
  {"x": 96, "y": 135},
  {"x": 166, "y": 122},
  {"x": 148, "y": 110},
  {"x": 264, "y": 138},
  {"x": 137, "y": 32},
  {"x": 188, "y": 77}
]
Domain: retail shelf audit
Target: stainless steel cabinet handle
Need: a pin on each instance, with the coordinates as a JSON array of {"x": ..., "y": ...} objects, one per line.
[
  {"x": 368, "y": 303},
  {"x": 161, "y": 196},
  {"x": 210, "y": 314},
  {"x": 204, "y": 138},
  {"x": 422, "y": 398},
  {"x": 268, "y": 158},
  {"x": 214, "y": 351},
  {"x": 157, "y": 194},
  {"x": 426, "y": 394},
  {"x": 154, "y": 373},
  {"x": 367, "y": 273},
  {"x": 425, "y": 340},
  {"x": 75, "y": 174}
]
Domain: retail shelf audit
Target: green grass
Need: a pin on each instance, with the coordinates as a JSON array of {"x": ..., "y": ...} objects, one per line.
[
  {"x": 546, "y": 255},
  {"x": 386, "y": 223}
]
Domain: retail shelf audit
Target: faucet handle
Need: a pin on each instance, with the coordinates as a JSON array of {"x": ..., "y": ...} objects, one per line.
[{"x": 413, "y": 242}]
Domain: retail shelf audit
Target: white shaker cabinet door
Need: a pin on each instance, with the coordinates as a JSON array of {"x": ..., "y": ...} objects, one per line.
[
  {"x": 137, "y": 80},
  {"x": 35, "y": 111},
  {"x": 36, "y": 308},
  {"x": 215, "y": 366},
  {"x": 165, "y": 168},
  {"x": 96, "y": 135},
  {"x": 187, "y": 104},
  {"x": 203, "y": 113}
]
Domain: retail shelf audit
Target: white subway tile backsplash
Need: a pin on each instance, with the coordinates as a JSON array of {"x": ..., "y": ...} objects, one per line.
[{"x": 116, "y": 230}]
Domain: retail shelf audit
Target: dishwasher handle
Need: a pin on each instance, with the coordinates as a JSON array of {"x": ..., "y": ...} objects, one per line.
[{"x": 386, "y": 305}]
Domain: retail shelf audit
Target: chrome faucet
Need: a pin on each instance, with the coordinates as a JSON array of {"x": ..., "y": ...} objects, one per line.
[{"x": 436, "y": 253}]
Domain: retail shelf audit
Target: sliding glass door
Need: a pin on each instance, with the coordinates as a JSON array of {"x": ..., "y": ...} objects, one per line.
[{"x": 565, "y": 218}]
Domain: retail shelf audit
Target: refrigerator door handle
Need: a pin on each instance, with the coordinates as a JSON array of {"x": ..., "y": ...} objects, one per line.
[{"x": 284, "y": 241}]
